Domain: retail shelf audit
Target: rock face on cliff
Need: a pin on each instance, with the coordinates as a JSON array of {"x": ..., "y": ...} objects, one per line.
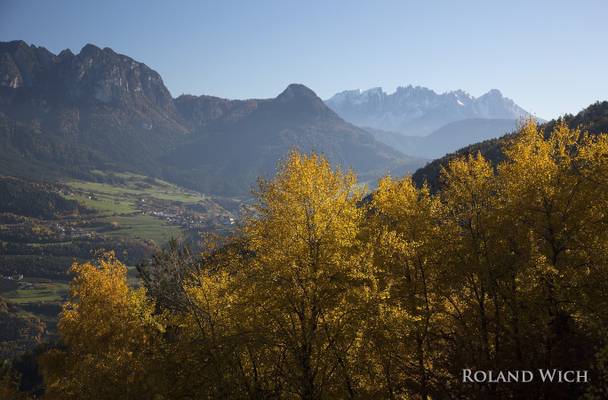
[{"x": 68, "y": 114}]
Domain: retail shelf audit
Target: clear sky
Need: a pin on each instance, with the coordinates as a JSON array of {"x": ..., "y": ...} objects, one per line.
[{"x": 551, "y": 57}]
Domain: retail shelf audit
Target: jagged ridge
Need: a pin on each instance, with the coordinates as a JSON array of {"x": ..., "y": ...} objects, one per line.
[
  {"x": 68, "y": 114},
  {"x": 418, "y": 111}
]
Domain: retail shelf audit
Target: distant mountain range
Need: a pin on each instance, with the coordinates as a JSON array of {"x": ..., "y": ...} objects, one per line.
[
  {"x": 68, "y": 114},
  {"x": 418, "y": 111}
]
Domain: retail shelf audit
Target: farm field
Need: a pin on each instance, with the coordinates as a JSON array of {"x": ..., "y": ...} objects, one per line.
[
  {"x": 38, "y": 291},
  {"x": 132, "y": 215},
  {"x": 145, "y": 208}
]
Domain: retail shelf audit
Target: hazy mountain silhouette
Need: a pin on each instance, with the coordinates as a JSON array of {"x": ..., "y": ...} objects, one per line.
[
  {"x": 418, "y": 111},
  {"x": 67, "y": 114},
  {"x": 448, "y": 138}
]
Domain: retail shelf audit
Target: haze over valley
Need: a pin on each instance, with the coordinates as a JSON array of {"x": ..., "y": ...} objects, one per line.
[{"x": 210, "y": 220}]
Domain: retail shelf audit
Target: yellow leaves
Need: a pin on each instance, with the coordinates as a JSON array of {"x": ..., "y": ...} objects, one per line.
[
  {"x": 321, "y": 292},
  {"x": 306, "y": 220},
  {"x": 400, "y": 207},
  {"x": 391, "y": 193},
  {"x": 468, "y": 183},
  {"x": 309, "y": 279},
  {"x": 102, "y": 307},
  {"x": 536, "y": 166},
  {"x": 212, "y": 295},
  {"x": 306, "y": 190},
  {"x": 106, "y": 327}
]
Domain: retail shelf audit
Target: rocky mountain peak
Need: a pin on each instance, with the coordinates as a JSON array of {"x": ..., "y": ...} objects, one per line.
[
  {"x": 418, "y": 111},
  {"x": 13, "y": 46},
  {"x": 99, "y": 109},
  {"x": 21, "y": 64},
  {"x": 65, "y": 53},
  {"x": 89, "y": 50},
  {"x": 298, "y": 99},
  {"x": 493, "y": 93},
  {"x": 297, "y": 92}
]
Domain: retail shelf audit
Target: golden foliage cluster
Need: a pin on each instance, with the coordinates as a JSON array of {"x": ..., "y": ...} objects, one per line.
[{"x": 325, "y": 293}]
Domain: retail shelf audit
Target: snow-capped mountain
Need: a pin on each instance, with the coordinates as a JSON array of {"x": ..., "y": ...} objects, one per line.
[{"x": 418, "y": 111}]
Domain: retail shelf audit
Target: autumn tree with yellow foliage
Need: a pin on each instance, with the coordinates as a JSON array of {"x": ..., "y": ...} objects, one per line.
[
  {"x": 108, "y": 333},
  {"x": 326, "y": 293},
  {"x": 307, "y": 285}
]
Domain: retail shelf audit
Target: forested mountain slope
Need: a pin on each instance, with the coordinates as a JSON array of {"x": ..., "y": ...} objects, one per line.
[
  {"x": 68, "y": 114},
  {"x": 593, "y": 119}
]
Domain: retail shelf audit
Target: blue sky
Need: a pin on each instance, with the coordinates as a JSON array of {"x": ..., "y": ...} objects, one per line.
[{"x": 549, "y": 56}]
